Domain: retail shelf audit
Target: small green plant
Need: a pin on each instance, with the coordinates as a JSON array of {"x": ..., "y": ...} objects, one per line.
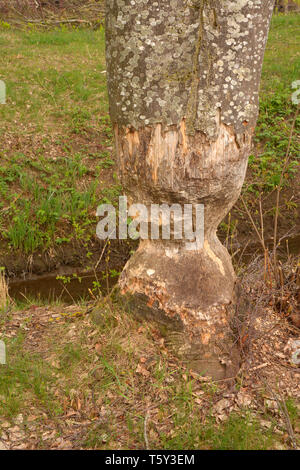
[
  {"x": 239, "y": 433},
  {"x": 4, "y": 25}
]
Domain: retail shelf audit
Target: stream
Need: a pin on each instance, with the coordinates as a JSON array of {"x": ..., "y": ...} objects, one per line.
[{"x": 82, "y": 285}]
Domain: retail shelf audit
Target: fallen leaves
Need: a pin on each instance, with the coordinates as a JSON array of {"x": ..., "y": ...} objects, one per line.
[
  {"x": 140, "y": 374},
  {"x": 142, "y": 370}
]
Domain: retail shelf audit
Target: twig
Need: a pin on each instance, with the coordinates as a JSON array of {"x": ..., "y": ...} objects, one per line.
[
  {"x": 282, "y": 407},
  {"x": 253, "y": 224},
  {"x": 261, "y": 218},
  {"x": 289, "y": 425},
  {"x": 286, "y": 161},
  {"x": 261, "y": 366},
  {"x": 100, "y": 258},
  {"x": 67, "y": 291},
  {"x": 145, "y": 430}
]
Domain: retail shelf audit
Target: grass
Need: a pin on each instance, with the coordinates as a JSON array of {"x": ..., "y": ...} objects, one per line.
[
  {"x": 281, "y": 68},
  {"x": 25, "y": 378},
  {"x": 267, "y": 171},
  {"x": 51, "y": 176}
]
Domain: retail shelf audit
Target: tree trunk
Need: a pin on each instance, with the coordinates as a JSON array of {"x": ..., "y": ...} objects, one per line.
[{"x": 183, "y": 81}]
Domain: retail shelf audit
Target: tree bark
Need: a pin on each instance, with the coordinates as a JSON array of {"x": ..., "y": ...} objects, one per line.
[{"x": 183, "y": 82}]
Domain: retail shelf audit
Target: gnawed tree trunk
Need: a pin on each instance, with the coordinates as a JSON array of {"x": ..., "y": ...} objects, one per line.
[{"x": 183, "y": 81}]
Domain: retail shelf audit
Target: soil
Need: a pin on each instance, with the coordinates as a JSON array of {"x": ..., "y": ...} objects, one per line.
[{"x": 49, "y": 12}]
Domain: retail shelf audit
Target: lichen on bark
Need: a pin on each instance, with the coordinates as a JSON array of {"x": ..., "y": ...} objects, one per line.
[{"x": 194, "y": 59}]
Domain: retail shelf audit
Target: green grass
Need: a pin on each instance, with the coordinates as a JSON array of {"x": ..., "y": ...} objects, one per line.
[
  {"x": 241, "y": 431},
  {"x": 51, "y": 177},
  {"x": 281, "y": 68},
  {"x": 25, "y": 378}
]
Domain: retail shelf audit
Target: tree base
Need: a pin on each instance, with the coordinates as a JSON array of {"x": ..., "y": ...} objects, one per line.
[{"x": 189, "y": 293}]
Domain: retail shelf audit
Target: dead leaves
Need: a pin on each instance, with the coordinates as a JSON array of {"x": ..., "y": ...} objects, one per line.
[
  {"x": 127, "y": 370},
  {"x": 142, "y": 370}
]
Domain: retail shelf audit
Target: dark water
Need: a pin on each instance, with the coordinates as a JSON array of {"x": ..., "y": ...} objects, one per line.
[
  {"x": 288, "y": 246},
  {"x": 86, "y": 285}
]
